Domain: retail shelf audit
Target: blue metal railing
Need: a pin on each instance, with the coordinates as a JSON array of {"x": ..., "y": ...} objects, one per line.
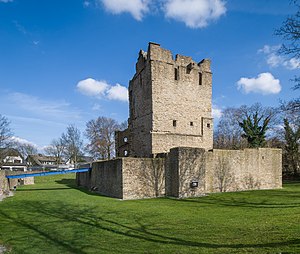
[{"x": 49, "y": 173}]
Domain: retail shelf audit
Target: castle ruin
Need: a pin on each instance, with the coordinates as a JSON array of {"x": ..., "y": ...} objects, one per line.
[{"x": 167, "y": 148}]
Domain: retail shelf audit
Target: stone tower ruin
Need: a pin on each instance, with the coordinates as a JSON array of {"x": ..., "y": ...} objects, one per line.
[
  {"x": 169, "y": 105},
  {"x": 170, "y": 118}
]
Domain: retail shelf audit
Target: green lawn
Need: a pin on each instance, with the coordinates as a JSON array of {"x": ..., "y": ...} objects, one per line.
[{"x": 53, "y": 216}]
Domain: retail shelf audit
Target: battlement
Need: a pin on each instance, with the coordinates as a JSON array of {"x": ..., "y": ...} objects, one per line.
[{"x": 157, "y": 53}]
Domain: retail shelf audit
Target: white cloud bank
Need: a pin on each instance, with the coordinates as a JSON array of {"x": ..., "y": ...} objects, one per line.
[
  {"x": 101, "y": 89},
  {"x": 194, "y": 13},
  {"x": 264, "y": 83},
  {"x": 22, "y": 141},
  {"x": 275, "y": 60},
  {"x": 137, "y": 8}
]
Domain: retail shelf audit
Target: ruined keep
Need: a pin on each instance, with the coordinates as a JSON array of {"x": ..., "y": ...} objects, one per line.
[
  {"x": 169, "y": 105},
  {"x": 167, "y": 148}
]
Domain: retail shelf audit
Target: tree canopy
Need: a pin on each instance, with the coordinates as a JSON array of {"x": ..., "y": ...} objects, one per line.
[{"x": 253, "y": 131}]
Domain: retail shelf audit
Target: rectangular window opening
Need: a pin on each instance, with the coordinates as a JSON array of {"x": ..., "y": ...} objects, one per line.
[
  {"x": 141, "y": 80},
  {"x": 174, "y": 123},
  {"x": 191, "y": 123},
  {"x": 176, "y": 73},
  {"x": 200, "y": 78},
  {"x": 208, "y": 125}
]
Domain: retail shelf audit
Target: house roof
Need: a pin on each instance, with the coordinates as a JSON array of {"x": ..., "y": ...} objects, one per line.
[
  {"x": 86, "y": 159},
  {"x": 39, "y": 158},
  {"x": 10, "y": 152}
]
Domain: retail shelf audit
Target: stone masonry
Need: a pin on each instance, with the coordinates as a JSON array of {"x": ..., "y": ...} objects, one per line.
[
  {"x": 185, "y": 172},
  {"x": 169, "y": 105}
]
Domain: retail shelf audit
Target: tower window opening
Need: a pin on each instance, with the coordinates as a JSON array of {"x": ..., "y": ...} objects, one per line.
[
  {"x": 141, "y": 80},
  {"x": 176, "y": 74},
  {"x": 191, "y": 123},
  {"x": 125, "y": 153},
  {"x": 174, "y": 123},
  {"x": 208, "y": 125},
  {"x": 200, "y": 78}
]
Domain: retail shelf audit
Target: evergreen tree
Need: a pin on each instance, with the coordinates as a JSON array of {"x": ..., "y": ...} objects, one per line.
[{"x": 255, "y": 134}]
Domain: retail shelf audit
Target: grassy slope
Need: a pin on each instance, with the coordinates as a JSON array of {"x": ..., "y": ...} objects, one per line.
[{"x": 54, "y": 217}]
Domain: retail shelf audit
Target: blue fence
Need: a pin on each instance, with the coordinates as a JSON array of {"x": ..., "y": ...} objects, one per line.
[{"x": 50, "y": 173}]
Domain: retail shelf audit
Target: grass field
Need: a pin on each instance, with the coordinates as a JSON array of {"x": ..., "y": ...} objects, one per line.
[{"x": 53, "y": 216}]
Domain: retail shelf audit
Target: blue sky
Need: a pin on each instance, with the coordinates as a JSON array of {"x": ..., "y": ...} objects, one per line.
[{"x": 69, "y": 61}]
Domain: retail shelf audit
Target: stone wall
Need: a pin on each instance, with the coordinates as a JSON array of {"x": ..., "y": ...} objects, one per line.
[
  {"x": 143, "y": 178},
  {"x": 106, "y": 178},
  {"x": 186, "y": 166},
  {"x": 4, "y": 187},
  {"x": 126, "y": 178},
  {"x": 222, "y": 170},
  {"x": 84, "y": 179},
  {"x": 19, "y": 181},
  {"x": 186, "y": 172}
]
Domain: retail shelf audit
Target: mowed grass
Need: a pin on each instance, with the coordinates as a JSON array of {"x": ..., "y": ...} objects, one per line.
[{"x": 53, "y": 216}]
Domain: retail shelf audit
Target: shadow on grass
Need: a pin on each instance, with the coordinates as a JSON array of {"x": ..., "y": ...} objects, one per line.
[
  {"x": 97, "y": 221},
  {"x": 288, "y": 197},
  {"x": 68, "y": 182},
  {"x": 242, "y": 202},
  {"x": 71, "y": 183},
  {"x": 280, "y": 198},
  {"x": 44, "y": 189}
]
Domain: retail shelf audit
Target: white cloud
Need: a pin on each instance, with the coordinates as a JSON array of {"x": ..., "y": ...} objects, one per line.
[
  {"x": 117, "y": 92},
  {"x": 275, "y": 60},
  {"x": 101, "y": 89},
  {"x": 22, "y": 141},
  {"x": 92, "y": 87},
  {"x": 216, "y": 112},
  {"x": 264, "y": 83},
  {"x": 194, "y": 13},
  {"x": 137, "y": 8}
]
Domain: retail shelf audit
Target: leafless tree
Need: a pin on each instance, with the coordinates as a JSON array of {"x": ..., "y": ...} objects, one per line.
[
  {"x": 73, "y": 144},
  {"x": 228, "y": 134},
  {"x": 123, "y": 126},
  {"x": 101, "y": 135},
  {"x": 56, "y": 149},
  {"x": 25, "y": 149},
  {"x": 5, "y": 136},
  {"x": 5, "y": 132},
  {"x": 290, "y": 32}
]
